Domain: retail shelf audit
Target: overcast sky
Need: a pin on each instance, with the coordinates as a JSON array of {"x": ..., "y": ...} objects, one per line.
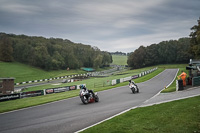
[{"x": 111, "y": 25}]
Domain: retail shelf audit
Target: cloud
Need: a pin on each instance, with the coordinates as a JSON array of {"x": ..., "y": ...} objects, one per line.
[
  {"x": 18, "y": 9},
  {"x": 111, "y": 25}
]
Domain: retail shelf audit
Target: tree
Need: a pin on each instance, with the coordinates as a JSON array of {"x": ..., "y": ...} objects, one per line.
[
  {"x": 137, "y": 58},
  {"x": 57, "y": 61},
  {"x": 98, "y": 61},
  {"x": 42, "y": 58},
  {"x": 195, "y": 40},
  {"x": 183, "y": 54},
  {"x": 6, "y": 49},
  {"x": 106, "y": 58},
  {"x": 152, "y": 56}
]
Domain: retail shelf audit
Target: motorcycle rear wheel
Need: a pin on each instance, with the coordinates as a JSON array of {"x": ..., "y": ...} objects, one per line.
[
  {"x": 96, "y": 98},
  {"x": 137, "y": 90}
]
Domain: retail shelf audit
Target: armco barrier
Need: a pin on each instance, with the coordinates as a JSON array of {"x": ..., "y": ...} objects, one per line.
[
  {"x": 49, "y": 91},
  {"x": 117, "y": 81},
  {"x": 38, "y": 92},
  {"x": 72, "y": 87},
  {"x": 114, "y": 82},
  {"x": 135, "y": 76},
  {"x": 9, "y": 97},
  {"x": 61, "y": 89},
  {"x": 196, "y": 81},
  {"x": 127, "y": 78},
  {"x": 51, "y": 79},
  {"x": 121, "y": 80},
  {"x": 32, "y": 93}
]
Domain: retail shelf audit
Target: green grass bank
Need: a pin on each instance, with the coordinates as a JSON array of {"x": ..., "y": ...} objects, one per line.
[
  {"x": 22, "y": 72},
  {"x": 182, "y": 116}
]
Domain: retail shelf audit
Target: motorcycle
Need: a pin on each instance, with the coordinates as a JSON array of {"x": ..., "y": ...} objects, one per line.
[
  {"x": 87, "y": 97},
  {"x": 134, "y": 88}
]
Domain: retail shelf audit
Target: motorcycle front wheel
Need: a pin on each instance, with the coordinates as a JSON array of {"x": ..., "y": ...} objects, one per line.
[
  {"x": 84, "y": 99},
  {"x": 133, "y": 90}
]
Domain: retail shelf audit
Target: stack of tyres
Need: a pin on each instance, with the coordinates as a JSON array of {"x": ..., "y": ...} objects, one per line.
[{"x": 180, "y": 84}]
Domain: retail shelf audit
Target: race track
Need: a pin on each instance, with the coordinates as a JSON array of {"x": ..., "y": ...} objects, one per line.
[{"x": 71, "y": 115}]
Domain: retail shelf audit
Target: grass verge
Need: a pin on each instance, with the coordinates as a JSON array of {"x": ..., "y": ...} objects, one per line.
[{"x": 182, "y": 116}]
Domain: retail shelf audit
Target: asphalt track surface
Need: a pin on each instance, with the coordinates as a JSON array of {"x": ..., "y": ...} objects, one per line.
[{"x": 71, "y": 115}]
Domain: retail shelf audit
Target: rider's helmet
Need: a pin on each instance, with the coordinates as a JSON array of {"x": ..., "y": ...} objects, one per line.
[
  {"x": 81, "y": 86},
  {"x": 130, "y": 81}
]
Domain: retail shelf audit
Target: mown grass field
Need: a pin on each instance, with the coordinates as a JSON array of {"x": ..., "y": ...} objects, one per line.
[
  {"x": 182, "y": 116},
  {"x": 22, "y": 72},
  {"x": 119, "y": 59}
]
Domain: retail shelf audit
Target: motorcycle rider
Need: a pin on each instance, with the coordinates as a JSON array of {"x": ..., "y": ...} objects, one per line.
[
  {"x": 132, "y": 82},
  {"x": 83, "y": 87}
]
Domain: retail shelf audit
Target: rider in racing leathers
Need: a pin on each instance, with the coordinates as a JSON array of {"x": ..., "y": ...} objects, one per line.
[
  {"x": 83, "y": 87},
  {"x": 132, "y": 82}
]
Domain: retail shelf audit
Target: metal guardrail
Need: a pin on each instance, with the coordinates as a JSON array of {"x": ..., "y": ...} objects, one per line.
[
  {"x": 196, "y": 81},
  {"x": 117, "y": 81}
]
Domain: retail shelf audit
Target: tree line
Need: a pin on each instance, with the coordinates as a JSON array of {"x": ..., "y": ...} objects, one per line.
[
  {"x": 51, "y": 53},
  {"x": 168, "y": 52},
  {"x": 117, "y": 53}
]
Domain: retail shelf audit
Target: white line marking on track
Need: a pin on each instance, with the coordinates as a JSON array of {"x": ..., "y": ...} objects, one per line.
[
  {"x": 170, "y": 100},
  {"x": 163, "y": 88}
]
